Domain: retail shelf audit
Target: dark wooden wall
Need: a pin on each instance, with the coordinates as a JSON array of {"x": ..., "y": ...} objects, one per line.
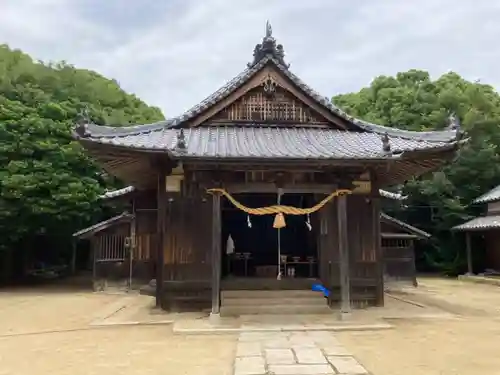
[
  {"x": 112, "y": 258},
  {"x": 492, "y": 242},
  {"x": 398, "y": 254},
  {"x": 399, "y": 259},
  {"x": 188, "y": 239},
  {"x": 187, "y": 252},
  {"x": 364, "y": 274}
]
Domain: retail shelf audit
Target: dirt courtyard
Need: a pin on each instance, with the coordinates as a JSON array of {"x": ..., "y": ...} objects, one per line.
[
  {"x": 50, "y": 333},
  {"x": 46, "y": 332},
  {"x": 466, "y": 345}
]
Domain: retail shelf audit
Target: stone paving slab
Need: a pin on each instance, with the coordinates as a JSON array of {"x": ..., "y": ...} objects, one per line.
[
  {"x": 249, "y": 366},
  {"x": 310, "y": 356},
  {"x": 293, "y": 353},
  {"x": 347, "y": 365},
  {"x": 301, "y": 370},
  {"x": 279, "y": 357},
  {"x": 203, "y": 325},
  {"x": 248, "y": 349},
  {"x": 335, "y": 350}
]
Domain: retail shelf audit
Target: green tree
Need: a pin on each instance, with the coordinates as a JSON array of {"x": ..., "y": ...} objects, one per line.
[
  {"x": 413, "y": 101},
  {"x": 48, "y": 186}
]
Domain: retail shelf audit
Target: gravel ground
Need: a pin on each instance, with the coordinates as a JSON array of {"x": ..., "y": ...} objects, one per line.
[
  {"x": 120, "y": 351},
  {"x": 48, "y": 332},
  {"x": 464, "y": 346}
]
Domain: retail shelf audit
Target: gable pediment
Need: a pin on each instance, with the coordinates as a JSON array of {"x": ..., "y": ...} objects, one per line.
[
  {"x": 269, "y": 97},
  {"x": 268, "y": 103}
]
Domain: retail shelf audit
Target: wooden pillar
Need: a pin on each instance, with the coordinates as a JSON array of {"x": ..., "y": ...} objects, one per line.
[
  {"x": 413, "y": 263},
  {"x": 377, "y": 244},
  {"x": 131, "y": 250},
  {"x": 216, "y": 254},
  {"x": 93, "y": 250},
  {"x": 160, "y": 231},
  {"x": 345, "y": 287},
  {"x": 73, "y": 255},
  {"x": 469, "y": 253}
]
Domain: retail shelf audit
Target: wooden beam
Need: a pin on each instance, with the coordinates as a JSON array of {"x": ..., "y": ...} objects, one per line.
[
  {"x": 469, "y": 253},
  {"x": 343, "y": 245},
  {"x": 398, "y": 235},
  {"x": 216, "y": 254},
  {"x": 251, "y": 187},
  {"x": 160, "y": 230}
]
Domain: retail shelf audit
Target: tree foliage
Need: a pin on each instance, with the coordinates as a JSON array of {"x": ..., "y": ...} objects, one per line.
[
  {"x": 48, "y": 186},
  {"x": 413, "y": 101}
]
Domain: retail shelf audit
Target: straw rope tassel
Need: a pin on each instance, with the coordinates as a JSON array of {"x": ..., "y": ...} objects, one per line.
[{"x": 278, "y": 225}]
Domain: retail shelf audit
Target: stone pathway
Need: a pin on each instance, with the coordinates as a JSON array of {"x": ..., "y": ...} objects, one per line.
[{"x": 293, "y": 353}]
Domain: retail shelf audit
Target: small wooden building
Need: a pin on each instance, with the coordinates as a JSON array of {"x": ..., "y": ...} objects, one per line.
[
  {"x": 487, "y": 226},
  {"x": 398, "y": 248},
  {"x": 268, "y": 143}
]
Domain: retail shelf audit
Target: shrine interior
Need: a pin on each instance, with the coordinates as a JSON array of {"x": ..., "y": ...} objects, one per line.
[{"x": 258, "y": 247}]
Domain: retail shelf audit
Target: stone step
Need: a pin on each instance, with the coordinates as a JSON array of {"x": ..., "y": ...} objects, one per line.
[
  {"x": 274, "y": 309},
  {"x": 238, "y": 301},
  {"x": 272, "y": 294}
]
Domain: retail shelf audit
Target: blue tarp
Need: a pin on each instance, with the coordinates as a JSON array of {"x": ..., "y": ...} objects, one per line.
[{"x": 320, "y": 288}]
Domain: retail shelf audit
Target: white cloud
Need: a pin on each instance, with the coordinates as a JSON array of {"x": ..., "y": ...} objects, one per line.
[{"x": 174, "y": 53}]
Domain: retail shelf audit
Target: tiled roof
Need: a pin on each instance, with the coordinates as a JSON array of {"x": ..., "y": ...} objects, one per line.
[
  {"x": 89, "y": 231},
  {"x": 430, "y": 136},
  {"x": 117, "y": 193},
  {"x": 480, "y": 223},
  {"x": 407, "y": 227},
  {"x": 490, "y": 196},
  {"x": 391, "y": 195},
  {"x": 269, "y": 142},
  {"x": 129, "y": 189}
]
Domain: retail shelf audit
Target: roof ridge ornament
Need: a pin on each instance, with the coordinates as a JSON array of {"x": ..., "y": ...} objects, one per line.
[
  {"x": 386, "y": 145},
  {"x": 180, "y": 145},
  {"x": 269, "y": 86},
  {"x": 268, "y": 47},
  {"x": 82, "y": 122},
  {"x": 454, "y": 124},
  {"x": 269, "y": 30}
]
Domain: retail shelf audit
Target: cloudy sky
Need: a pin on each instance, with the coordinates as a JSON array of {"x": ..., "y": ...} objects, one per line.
[{"x": 173, "y": 53}]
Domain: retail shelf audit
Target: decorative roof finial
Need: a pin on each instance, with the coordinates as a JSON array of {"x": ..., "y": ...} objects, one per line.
[
  {"x": 181, "y": 141},
  {"x": 454, "y": 124},
  {"x": 386, "y": 145},
  {"x": 269, "y": 30},
  {"x": 453, "y": 121},
  {"x": 270, "y": 48},
  {"x": 83, "y": 119}
]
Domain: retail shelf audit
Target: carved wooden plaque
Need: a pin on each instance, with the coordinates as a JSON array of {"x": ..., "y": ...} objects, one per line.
[{"x": 269, "y": 104}]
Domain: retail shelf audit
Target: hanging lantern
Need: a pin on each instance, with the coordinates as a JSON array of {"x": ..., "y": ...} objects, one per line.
[{"x": 279, "y": 221}]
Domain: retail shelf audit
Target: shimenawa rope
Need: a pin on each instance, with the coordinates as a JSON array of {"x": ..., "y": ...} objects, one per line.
[{"x": 278, "y": 209}]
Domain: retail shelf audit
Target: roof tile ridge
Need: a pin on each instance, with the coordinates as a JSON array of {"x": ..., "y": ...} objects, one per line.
[
  {"x": 363, "y": 124},
  {"x": 124, "y": 131}
]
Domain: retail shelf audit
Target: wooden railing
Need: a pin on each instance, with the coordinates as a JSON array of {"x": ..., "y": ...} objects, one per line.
[
  {"x": 110, "y": 248},
  {"x": 116, "y": 248}
]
